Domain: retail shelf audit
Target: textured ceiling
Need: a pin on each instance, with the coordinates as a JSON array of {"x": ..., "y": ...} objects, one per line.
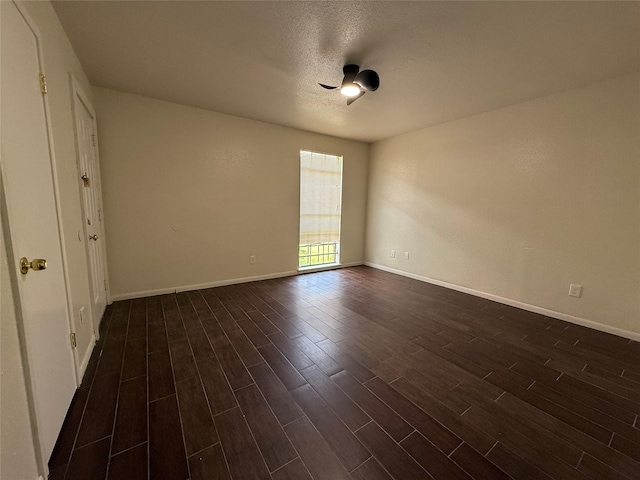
[{"x": 438, "y": 61}]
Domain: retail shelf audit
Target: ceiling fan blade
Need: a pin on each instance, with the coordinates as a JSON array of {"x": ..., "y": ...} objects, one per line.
[
  {"x": 328, "y": 87},
  {"x": 368, "y": 80},
  {"x": 350, "y": 100},
  {"x": 350, "y": 72}
]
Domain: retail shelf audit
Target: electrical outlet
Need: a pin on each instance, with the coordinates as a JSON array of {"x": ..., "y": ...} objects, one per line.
[
  {"x": 393, "y": 254},
  {"x": 575, "y": 290},
  {"x": 252, "y": 259},
  {"x": 406, "y": 255}
]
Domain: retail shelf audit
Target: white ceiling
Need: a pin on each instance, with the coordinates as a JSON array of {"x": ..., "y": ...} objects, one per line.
[{"x": 438, "y": 61}]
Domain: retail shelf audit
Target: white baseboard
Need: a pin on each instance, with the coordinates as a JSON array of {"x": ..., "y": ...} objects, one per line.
[
  {"x": 350, "y": 264},
  {"x": 86, "y": 357},
  {"x": 222, "y": 283},
  {"x": 514, "y": 303},
  {"x": 200, "y": 286}
]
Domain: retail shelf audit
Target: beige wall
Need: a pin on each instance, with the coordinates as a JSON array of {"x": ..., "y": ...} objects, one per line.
[
  {"x": 520, "y": 202},
  {"x": 189, "y": 194},
  {"x": 60, "y": 60}
]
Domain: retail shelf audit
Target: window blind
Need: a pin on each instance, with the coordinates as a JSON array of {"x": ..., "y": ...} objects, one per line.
[{"x": 320, "y": 197}]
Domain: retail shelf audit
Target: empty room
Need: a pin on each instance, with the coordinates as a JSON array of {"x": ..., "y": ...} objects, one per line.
[{"x": 325, "y": 240}]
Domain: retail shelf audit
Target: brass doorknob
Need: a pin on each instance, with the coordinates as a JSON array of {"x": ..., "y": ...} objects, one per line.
[
  {"x": 93, "y": 237},
  {"x": 36, "y": 264}
]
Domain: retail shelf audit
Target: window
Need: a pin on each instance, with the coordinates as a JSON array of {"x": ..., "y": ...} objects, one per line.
[{"x": 320, "y": 209}]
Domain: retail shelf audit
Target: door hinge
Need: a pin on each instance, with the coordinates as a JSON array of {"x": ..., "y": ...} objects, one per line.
[
  {"x": 105, "y": 284},
  {"x": 43, "y": 84},
  {"x": 93, "y": 139},
  {"x": 73, "y": 341}
]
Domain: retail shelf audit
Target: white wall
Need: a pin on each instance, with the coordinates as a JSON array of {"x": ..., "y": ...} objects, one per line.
[
  {"x": 520, "y": 202},
  {"x": 189, "y": 194}
]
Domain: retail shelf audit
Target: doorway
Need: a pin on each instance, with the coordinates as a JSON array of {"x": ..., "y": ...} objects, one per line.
[
  {"x": 34, "y": 240},
  {"x": 91, "y": 199}
]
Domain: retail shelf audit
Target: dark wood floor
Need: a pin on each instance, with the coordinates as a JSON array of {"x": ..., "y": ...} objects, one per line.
[{"x": 349, "y": 374}]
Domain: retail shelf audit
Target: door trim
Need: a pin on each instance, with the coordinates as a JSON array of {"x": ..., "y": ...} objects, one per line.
[{"x": 77, "y": 92}]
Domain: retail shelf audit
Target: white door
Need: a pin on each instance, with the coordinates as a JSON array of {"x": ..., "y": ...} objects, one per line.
[
  {"x": 27, "y": 179},
  {"x": 92, "y": 203}
]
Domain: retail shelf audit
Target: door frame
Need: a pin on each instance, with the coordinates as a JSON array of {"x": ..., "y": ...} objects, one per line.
[
  {"x": 13, "y": 272},
  {"x": 78, "y": 93}
]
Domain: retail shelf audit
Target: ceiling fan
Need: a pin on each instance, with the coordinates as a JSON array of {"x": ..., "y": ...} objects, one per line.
[{"x": 356, "y": 83}]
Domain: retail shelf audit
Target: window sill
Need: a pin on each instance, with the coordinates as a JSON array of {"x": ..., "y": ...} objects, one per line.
[{"x": 319, "y": 268}]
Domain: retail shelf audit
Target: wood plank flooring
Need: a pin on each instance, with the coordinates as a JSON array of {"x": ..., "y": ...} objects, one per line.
[{"x": 349, "y": 374}]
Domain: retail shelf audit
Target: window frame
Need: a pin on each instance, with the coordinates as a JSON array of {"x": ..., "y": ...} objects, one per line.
[{"x": 336, "y": 246}]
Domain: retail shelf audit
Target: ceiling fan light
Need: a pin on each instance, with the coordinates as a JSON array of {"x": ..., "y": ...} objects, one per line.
[{"x": 350, "y": 90}]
